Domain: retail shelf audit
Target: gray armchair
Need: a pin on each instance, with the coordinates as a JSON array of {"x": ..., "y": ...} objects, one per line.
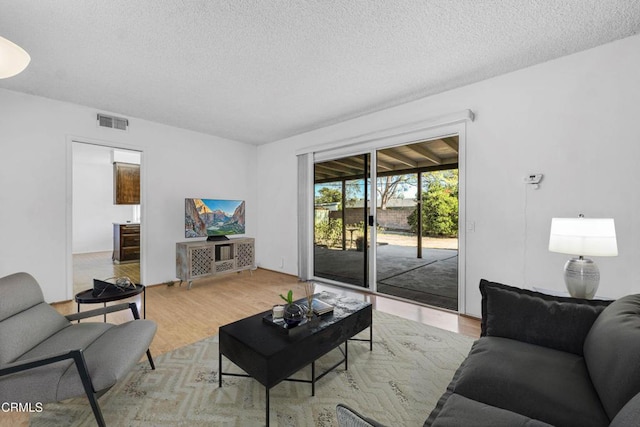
[
  {"x": 46, "y": 358},
  {"x": 348, "y": 417}
]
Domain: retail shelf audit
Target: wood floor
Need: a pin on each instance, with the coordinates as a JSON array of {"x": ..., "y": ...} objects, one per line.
[
  {"x": 98, "y": 265},
  {"x": 186, "y": 316}
]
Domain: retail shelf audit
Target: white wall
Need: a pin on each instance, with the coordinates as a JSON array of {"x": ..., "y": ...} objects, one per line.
[
  {"x": 574, "y": 119},
  {"x": 93, "y": 210},
  {"x": 35, "y": 201}
]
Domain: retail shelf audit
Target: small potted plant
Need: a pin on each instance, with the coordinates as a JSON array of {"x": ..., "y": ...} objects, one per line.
[{"x": 293, "y": 313}]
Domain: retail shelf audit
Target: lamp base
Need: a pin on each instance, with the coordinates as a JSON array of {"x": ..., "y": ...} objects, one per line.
[{"x": 582, "y": 277}]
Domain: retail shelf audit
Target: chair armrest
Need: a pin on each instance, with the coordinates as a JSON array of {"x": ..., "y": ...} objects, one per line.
[
  {"x": 23, "y": 365},
  {"x": 560, "y": 323},
  {"x": 105, "y": 310},
  {"x": 78, "y": 358}
]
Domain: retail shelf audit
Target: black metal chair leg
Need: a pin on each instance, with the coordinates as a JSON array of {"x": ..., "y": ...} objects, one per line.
[
  {"x": 96, "y": 410},
  {"x": 88, "y": 387},
  {"x": 153, "y": 365}
]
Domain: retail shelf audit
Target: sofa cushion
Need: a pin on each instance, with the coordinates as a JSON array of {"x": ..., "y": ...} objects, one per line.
[
  {"x": 612, "y": 353},
  {"x": 629, "y": 414},
  {"x": 561, "y": 323},
  {"x": 18, "y": 292},
  {"x": 445, "y": 396},
  {"x": 107, "y": 363},
  {"x": 23, "y": 331},
  {"x": 459, "y": 411},
  {"x": 40, "y": 384},
  {"x": 538, "y": 382},
  {"x": 25, "y": 319}
]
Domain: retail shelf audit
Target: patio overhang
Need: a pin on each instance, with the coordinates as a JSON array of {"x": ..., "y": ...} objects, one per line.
[{"x": 424, "y": 156}]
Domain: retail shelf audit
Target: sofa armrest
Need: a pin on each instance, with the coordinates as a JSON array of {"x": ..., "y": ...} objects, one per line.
[{"x": 560, "y": 323}]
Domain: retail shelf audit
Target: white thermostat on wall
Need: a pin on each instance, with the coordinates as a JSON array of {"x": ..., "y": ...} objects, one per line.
[{"x": 534, "y": 178}]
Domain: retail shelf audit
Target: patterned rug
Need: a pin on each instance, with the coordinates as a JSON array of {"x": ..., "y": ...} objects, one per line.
[{"x": 397, "y": 384}]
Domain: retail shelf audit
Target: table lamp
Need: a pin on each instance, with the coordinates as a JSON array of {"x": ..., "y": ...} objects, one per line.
[{"x": 583, "y": 237}]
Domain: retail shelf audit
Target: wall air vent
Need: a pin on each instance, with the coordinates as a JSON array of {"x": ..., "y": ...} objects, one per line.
[{"x": 112, "y": 122}]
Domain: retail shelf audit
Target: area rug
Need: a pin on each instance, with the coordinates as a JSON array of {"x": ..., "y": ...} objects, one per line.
[{"x": 398, "y": 383}]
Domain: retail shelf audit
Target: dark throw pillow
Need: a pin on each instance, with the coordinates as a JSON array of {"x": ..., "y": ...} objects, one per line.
[{"x": 561, "y": 323}]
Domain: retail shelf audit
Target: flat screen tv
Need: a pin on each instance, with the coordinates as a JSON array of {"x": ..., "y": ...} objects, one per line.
[{"x": 213, "y": 218}]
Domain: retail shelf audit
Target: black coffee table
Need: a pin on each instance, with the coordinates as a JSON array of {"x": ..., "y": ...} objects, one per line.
[
  {"x": 113, "y": 294},
  {"x": 270, "y": 354}
]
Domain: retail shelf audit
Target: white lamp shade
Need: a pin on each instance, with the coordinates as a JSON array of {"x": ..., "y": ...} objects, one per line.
[
  {"x": 13, "y": 59},
  {"x": 583, "y": 236}
]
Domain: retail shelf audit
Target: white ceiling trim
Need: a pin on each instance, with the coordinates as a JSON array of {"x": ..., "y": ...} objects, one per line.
[{"x": 390, "y": 137}]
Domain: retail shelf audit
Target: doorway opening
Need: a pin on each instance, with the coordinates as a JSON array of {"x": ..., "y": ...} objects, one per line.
[{"x": 99, "y": 215}]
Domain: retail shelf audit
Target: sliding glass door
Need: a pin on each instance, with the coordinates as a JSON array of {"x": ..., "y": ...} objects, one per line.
[
  {"x": 341, "y": 212},
  {"x": 386, "y": 211},
  {"x": 417, "y": 222},
  {"x": 412, "y": 252}
]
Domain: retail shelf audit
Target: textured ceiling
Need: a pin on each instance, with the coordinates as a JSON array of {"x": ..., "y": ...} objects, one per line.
[{"x": 259, "y": 71}]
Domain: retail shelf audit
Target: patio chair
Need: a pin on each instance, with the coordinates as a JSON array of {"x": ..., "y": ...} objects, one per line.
[{"x": 46, "y": 358}]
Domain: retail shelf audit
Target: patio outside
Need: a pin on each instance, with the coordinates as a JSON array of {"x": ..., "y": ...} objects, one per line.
[
  {"x": 416, "y": 187},
  {"x": 431, "y": 280}
]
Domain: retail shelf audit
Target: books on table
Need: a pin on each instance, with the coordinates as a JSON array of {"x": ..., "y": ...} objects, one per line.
[{"x": 321, "y": 307}]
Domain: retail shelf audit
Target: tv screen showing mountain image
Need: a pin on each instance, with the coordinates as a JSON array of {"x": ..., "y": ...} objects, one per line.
[{"x": 213, "y": 218}]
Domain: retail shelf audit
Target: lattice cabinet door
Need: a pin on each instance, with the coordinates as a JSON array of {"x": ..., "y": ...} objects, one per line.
[
  {"x": 193, "y": 260},
  {"x": 201, "y": 261},
  {"x": 245, "y": 254}
]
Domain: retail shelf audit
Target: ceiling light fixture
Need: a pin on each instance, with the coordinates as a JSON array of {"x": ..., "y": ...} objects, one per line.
[{"x": 13, "y": 59}]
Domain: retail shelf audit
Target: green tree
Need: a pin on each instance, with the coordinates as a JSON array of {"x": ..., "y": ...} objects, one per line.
[
  {"x": 440, "y": 205},
  {"x": 354, "y": 191},
  {"x": 328, "y": 232},
  {"x": 392, "y": 186},
  {"x": 328, "y": 195}
]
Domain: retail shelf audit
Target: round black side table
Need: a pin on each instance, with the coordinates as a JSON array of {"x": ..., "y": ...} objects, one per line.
[{"x": 112, "y": 294}]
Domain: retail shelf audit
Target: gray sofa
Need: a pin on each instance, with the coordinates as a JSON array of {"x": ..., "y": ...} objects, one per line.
[{"x": 543, "y": 360}]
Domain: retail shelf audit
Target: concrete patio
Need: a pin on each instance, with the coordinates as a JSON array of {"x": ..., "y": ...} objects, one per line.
[{"x": 431, "y": 280}]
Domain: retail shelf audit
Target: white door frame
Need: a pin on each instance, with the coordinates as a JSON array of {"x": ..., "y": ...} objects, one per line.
[
  {"x": 71, "y": 139},
  {"x": 439, "y": 127}
]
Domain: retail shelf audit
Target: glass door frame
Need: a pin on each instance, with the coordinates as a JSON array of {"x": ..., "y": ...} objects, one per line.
[
  {"x": 437, "y": 127},
  {"x": 358, "y": 175}
]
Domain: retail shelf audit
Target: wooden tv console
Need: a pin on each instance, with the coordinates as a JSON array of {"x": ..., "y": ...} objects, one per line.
[{"x": 195, "y": 260}]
